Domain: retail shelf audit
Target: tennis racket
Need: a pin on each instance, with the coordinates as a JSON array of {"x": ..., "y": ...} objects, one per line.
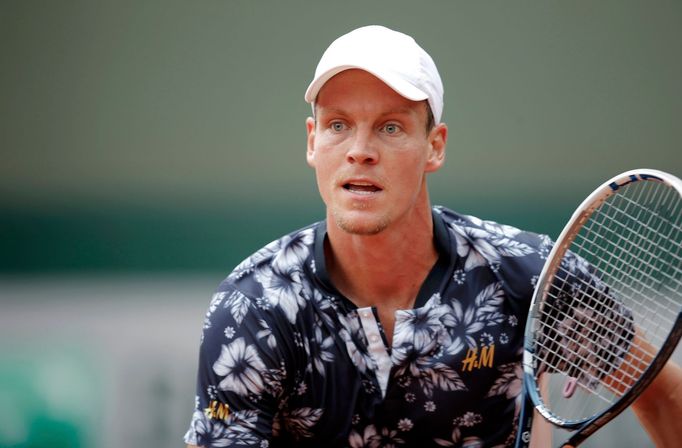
[{"x": 605, "y": 315}]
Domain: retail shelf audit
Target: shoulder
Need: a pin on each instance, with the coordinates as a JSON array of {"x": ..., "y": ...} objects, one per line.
[
  {"x": 289, "y": 253},
  {"x": 500, "y": 239},
  {"x": 515, "y": 255},
  {"x": 268, "y": 285}
]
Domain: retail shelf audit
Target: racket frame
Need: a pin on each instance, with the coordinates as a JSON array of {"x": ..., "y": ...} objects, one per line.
[{"x": 532, "y": 399}]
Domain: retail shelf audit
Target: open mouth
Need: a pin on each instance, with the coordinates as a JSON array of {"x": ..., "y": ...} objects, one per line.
[{"x": 361, "y": 187}]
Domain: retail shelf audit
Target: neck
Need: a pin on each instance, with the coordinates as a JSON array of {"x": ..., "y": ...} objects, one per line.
[{"x": 386, "y": 269}]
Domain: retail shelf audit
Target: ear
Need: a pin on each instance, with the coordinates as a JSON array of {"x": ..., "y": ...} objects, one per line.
[
  {"x": 310, "y": 130},
  {"x": 438, "y": 137}
]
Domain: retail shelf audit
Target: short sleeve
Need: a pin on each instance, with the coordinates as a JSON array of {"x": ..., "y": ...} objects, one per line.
[{"x": 242, "y": 373}]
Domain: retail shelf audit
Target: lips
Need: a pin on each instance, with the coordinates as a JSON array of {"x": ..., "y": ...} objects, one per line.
[{"x": 361, "y": 187}]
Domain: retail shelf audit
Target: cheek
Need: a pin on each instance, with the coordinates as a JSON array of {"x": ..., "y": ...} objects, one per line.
[{"x": 324, "y": 174}]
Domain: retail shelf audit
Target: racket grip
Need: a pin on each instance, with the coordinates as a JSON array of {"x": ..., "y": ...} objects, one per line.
[{"x": 525, "y": 423}]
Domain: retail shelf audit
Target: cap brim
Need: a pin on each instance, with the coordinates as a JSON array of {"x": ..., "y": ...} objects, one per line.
[{"x": 396, "y": 83}]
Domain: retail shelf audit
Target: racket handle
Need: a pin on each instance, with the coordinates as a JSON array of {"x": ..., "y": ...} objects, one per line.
[{"x": 525, "y": 423}]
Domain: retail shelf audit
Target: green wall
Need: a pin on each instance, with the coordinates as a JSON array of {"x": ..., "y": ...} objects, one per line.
[{"x": 166, "y": 135}]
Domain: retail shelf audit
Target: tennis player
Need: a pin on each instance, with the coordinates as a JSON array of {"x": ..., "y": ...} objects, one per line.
[{"x": 392, "y": 322}]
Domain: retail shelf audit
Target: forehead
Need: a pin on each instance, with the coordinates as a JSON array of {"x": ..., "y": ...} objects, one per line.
[{"x": 356, "y": 88}]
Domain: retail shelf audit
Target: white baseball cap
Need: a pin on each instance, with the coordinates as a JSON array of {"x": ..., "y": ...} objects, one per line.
[{"x": 393, "y": 57}]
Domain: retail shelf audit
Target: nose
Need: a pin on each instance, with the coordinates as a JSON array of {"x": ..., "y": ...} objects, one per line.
[{"x": 362, "y": 150}]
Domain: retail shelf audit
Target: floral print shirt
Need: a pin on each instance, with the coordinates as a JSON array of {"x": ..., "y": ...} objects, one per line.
[{"x": 286, "y": 360}]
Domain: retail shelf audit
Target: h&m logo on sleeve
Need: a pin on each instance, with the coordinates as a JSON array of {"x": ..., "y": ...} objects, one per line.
[{"x": 217, "y": 410}]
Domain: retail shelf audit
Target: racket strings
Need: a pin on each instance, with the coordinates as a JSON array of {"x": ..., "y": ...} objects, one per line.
[
  {"x": 571, "y": 364},
  {"x": 614, "y": 266},
  {"x": 632, "y": 282},
  {"x": 632, "y": 243},
  {"x": 573, "y": 350},
  {"x": 646, "y": 287},
  {"x": 630, "y": 254},
  {"x": 640, "y": 233}
]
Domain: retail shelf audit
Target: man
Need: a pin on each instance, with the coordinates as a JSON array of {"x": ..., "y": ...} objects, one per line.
[{"x": 392, "y": 322}]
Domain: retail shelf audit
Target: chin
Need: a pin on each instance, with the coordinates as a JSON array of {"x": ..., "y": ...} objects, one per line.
[{"x": 360, "y": 225}]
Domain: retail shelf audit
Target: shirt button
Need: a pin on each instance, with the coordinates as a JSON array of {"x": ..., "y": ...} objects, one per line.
[
  {"x": 367, "y": 314},
  {"x": 374, "y": 338}
]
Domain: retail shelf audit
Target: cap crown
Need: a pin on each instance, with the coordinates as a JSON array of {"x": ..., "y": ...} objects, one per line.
[{"x": 393, "y": 57}]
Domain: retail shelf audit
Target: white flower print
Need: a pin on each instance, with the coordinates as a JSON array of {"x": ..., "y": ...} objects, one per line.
[
  {"x": 283, "y": 290},
  {"x": 249, "y": 265},
  {"x": 404, "y": 381},
  {"x": 300, "y": 422},
  {"x": 419, "y": 326},
  {"x": 534, "y": 281},
  {"x": 238, "y": 304},
  {"x": 481, "y": 246},
  {"x": 263, "y": 303},
  {"x": 488, "y": 303},
  {"x": 237, "y": 429},
  {"x": 509, "y": 383},
  {"x": 211, "y": 391},
  {"x": 462, "y": 325},
  {"x": 454, "y": 438},
  {"x": 545, "y": 247},
  {"x": 266, "y": 333},
  {"x": 229, "y": 332},
  {"x": 389, "y": 438},
  {"x": 574, "y": 264},
  {"x": 215, "y": 301},
  {"x": 469, "y": 419},
  {"x": 473, "y": 246},
  {"x": 356, "y": 343},
  {"x": 319, "y": 348},
  {"x": 368, "y": 438},
  {"x": 494, "y": 227},
  {"x": 504, "y": 338},
  {"x": 369, "y": 386},
  {"x": 298, "y": 339},
  {"x": 205, "y": 431},
  {"x": 371, "y": 438},
  {"x": 293, "y": 251},
  {"x": 405, "y": 424},
  {"x": 241, "y": 366},
  {"x": 274, "y": 379},
  {"x": 486, "y": 339},
  {"x": 472, "y": 442}
]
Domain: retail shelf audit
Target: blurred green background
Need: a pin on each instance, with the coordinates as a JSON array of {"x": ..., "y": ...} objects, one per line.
[{"x": 149, "y": 146}]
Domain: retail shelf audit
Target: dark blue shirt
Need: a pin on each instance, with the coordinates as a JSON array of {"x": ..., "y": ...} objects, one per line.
[{"x": 286, "y": 360}]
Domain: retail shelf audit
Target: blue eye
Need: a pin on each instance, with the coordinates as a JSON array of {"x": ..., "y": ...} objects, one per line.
[
  {"x": 391, "y": 128},
  {"x": 337, "y": 126}
]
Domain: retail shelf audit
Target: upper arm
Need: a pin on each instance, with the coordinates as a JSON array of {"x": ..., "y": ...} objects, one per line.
[{"x": 241, "y": 374}]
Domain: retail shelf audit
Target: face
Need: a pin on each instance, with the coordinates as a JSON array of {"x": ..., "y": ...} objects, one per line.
[{"x": 371, "y": 152}]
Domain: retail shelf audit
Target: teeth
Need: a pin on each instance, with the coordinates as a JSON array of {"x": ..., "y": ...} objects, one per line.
[{"x": 361, "y": 187}]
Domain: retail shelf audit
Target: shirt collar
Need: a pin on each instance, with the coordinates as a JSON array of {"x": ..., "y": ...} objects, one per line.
[{"x": 435, "y": 281}]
